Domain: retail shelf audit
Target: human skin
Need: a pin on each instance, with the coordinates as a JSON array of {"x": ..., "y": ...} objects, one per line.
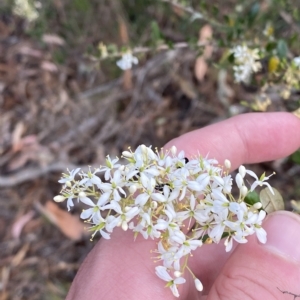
[{"x": 121, "y": 268}]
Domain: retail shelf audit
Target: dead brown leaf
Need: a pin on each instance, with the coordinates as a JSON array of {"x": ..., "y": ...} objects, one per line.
[
  {"x": 69, "y": 225},
  {"x": 5, "y": 274},
  {"x": 20, "y": 223},
  {"x": 205, "y": 34},
  {"x": 29, "y": 149},
  {"x": 53, "y": 39},
  {"x": 16, "y": 136},
  {"x": 26, "y": 50},
  {"x": 18, "y": 258},
  {"x": 49, "y": 66}
]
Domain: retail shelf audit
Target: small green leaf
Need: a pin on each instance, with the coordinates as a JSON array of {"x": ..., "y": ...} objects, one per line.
[
  {"x": 227, "y": 19},
  {"x": 215, "y": 10},
  {"x": 82, "y": 5},
  {"x": 282, "y": 48},
  {"x": 155, "y": 32},
  {"x": 254, "y": 10},
  {"x": 270, "y": 46},
  {"x": 295, "y": 157},
  {"x": 252, "y": 198},
  {"x": 253, "y": 13},
  {"x": 271, "y": 202}
]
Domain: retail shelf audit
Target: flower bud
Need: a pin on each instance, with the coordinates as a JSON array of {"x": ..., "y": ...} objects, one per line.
[
  {"x": 242, "y": 171},
  {"x": 198, "y": 285},
  {"x": 132, "y": 189},
  {"x": 124, "y": 225},
  {"x": 59, "y": 198},
  {"x": 68, "y": 183},
  {"x": 127, "y": 154},
  {"x": 173, "y": 150},
  {"x": 82, "y": 195},
  {"x": 257, "y": 205},
  {"x": 154, "y": 204},
  {"x": 243, "y": 191},
  {"x": 227, "y": 164},
  {"x": 127, "y": 208},
  {"x": 177, "y": 274}
]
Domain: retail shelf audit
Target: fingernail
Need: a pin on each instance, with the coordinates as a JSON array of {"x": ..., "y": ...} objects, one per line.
[{"x": 283, "y": 234}]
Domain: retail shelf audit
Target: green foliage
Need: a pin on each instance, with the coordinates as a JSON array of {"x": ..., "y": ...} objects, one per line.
[
  {"x": 282, "y": 48},
  {"x": 295, "y": 157},
  {"x": 254, "y": 10},
  {"x": 268, "y": 32},
  {"x": 252, "y": 198}
]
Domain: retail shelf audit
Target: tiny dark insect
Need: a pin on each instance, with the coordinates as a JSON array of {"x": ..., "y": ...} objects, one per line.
[{"x": 160, "y": 186}]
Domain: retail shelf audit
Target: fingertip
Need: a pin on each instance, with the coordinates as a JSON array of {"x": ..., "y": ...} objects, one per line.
[{"x": 283, "y": 229}]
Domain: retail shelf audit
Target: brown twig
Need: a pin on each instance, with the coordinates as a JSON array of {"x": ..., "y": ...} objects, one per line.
[
  {"x": 33, "y": 173},
  {"x": 289, "y": 20}
]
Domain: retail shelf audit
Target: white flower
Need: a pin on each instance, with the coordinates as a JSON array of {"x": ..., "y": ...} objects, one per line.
[
  {"x": 115, "y": 186},
  {"x": 187, "y": 247},
  {"x": 221, "y": 203},
  {"x": 168, "y": 256},
  {"x": 66, "y": 178},
  {"x": 163, "y": 274},
  {"x": 219, "y": 226},
  {"x": 94, "y": 211},
  {"x": 296, "y": 61},
  {"x": 127, "y": 60},
  {"x": 110, "y": 165},
  {"x": 149, "y": 185},
  {"x": 100, "y": 225},
  {"x": 260, "y": 181},
  {"x": 256, "y": 221},
  {"x": 89, "y": 179},
  {"x": 167, "y": 196},
  {"x": 124, "y": 216},
  {"x": 246, "y": 63},
  {"x": 224, "y": 182},
  {"x": 241, "y": 227},
  {"x": 25, "y": 9}
]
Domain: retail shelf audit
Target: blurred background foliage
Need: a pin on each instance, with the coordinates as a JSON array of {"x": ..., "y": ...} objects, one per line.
[{"x": 63, "y": 104}]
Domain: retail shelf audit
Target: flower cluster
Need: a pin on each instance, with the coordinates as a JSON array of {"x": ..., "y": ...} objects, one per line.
[
  {"x": 163, "y": 195},
  {"x": 127, "y": 61},
  {"x": 246, "y": 63},
  {"x": 24, "y": 8}
]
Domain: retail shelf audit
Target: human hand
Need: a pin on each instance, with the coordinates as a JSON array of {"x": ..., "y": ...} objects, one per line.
[{"x": 121, "y": 268}]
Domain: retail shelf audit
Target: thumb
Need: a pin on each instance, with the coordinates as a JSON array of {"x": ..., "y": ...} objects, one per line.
[{"x": 263, "y": 271}]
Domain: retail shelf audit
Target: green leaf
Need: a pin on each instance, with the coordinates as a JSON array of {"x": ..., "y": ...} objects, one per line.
[
  {"x": 82, "y": 5},
  {"x": 252, "y": 198},
  {"x": 271, "y": 202},
  {"x": 215, "y": 10},
  {"x": 270, "y": 46},
  {"x": 282, "y": 48},
  {"x": 231, "y": 58},
  {"x": 295, "y": 157},
  {"x": 155, "y": 32},
  {"x": 253, "y": 13},
  {"x": 227, "y": 19}
]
